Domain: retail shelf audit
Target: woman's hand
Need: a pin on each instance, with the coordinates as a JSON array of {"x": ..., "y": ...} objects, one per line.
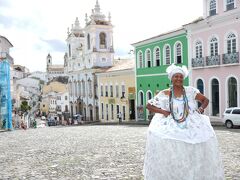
[
  {"x": 200, "y": 110},
  {"x": 166, "y": 113}
]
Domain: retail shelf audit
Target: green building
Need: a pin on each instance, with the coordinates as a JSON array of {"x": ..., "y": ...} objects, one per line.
[{"x": 153, "y": 56}]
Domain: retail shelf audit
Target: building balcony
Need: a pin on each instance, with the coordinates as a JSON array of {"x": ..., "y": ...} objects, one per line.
[
  {"x": 213, "y": 60},
  {"x": 198, "y": 62},
  {"x": 227, "y": 59},
  {"x": 230, "y": 58}
]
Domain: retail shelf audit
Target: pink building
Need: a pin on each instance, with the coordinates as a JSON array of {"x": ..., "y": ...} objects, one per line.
[{"x": 214, "y": 55}]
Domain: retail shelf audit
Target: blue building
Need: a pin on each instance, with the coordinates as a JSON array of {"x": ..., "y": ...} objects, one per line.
[{"x": 5, "y": 89}]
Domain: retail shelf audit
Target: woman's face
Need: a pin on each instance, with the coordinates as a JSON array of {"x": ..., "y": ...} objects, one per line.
[{"x": 177, "y": 79}]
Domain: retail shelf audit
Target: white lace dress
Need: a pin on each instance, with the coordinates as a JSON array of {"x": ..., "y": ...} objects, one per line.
[{"x": 181, "y": 151}]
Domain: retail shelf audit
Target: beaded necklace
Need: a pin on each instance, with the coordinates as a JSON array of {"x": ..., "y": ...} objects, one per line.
[{"x": 186, "y": 107}]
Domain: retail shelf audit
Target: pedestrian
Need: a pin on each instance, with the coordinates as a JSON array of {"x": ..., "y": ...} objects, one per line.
[
  {"x": 34, "y": 123},
  {"x": 119, "y": 117},
  {"x": 181, "y": 143},
  {"x": 23, "y": 126}
]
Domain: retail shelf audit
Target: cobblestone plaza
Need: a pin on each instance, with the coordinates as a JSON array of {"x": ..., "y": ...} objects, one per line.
[{"x": 91, "y": 152}]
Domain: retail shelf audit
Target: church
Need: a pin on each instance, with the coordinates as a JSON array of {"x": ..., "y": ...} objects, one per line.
[{"x": 89, "y": 51}]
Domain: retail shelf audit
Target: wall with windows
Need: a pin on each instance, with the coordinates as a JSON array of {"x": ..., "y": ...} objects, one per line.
[
  {"x": 153, "y": 56},
  {"x": 214, "y": 55},
  {"x": 117, "y": 92}
]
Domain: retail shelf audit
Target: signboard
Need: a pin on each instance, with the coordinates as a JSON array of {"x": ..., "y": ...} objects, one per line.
[
  {"x": 131, "y": 90},
  {"x": 111, "y": 101}
]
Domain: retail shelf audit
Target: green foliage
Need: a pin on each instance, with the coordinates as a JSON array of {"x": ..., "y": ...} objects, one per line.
[{"x": 24, "y": 106}]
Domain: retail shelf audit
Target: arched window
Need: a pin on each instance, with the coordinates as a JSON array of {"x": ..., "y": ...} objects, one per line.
[
  {"x": 231, "y": 43},
  {"x": 149, "y": 95},
  {"x": 232, "y": 92},
  {"x": 88, "y": 41},
  {"x": 89, "y": 88},
  {"x": 214, "y": 47},
  {"x": 102, "y": 37},
  {"x": 198, "y": 49},
  {"x": 212, "y": 8},
  {"x": 148, "y": 58},
  {"x": 84, "y": 89},
  {"x": 167, "y": 56},
  {"x": 69, "y": 51},
  {"x": 157, "y": 57},
  {"x": 200, "y": 87},
  {"x": 178, "y": 53},
  {"x": 215, "y": 97},
  {"x": 229, "y": 5},
  {"x": 140, "y": 60},
  {"x": 141, "y": 98}
]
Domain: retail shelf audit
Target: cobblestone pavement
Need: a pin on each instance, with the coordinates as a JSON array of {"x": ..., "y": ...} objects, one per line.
[{"x": 91, "y": 152}]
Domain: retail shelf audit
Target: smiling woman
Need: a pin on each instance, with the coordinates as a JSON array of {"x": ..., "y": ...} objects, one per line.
[{"x": 181, "y": 143}]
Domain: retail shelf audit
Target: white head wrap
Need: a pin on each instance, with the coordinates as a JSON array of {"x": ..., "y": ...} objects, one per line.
[{"x": 173, "y": 69}]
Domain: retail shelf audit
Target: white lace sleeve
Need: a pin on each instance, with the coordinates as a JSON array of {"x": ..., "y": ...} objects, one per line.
[
  {"x": 193, "y": 91},
  {"x": 160, "y": 101}
]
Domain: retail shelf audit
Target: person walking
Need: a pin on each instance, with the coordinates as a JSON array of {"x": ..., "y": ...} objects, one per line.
[
  {"x": 181, "y": 143},
  {"x": 120, "y": 117}
]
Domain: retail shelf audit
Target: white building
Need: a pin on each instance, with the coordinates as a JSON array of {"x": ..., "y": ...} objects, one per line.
[
  {"x": 62, "y": 102},
  {"x": 39, "y": 75},
  {"x": 90, "y": 50},
  {"x": 53, "y": 70}
]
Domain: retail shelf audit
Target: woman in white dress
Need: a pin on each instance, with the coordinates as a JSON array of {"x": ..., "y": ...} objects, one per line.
[{"x": 181, "y": 143}]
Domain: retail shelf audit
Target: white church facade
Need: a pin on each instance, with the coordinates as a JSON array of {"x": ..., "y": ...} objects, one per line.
[{"x": 89, "y": 51}]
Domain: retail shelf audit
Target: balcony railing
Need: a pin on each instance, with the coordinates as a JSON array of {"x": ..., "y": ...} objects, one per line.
[
  {"x": 213, "y": 60},
  {"x": 230, "y": 58},
  {"x": 198, "y": 62}
]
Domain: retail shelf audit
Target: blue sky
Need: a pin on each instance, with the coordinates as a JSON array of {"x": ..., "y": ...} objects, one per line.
[{"x": 38, "y": 27}]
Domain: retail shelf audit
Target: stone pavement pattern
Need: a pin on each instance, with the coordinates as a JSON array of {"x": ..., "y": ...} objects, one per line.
[{"x": 91, "y": 152}]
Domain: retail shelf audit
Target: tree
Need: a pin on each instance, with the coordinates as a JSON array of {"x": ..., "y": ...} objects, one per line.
[{"x": 24, "y": 106}]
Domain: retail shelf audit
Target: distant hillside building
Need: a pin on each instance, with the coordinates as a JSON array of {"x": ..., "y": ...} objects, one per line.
[{"x": 53, "y": 70}]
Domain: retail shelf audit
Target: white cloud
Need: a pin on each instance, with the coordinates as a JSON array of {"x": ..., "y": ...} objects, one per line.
[{"x": 38, "y": 27}]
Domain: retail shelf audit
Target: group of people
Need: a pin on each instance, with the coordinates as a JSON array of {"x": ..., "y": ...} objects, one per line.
[{"x": 181, "y": 143}]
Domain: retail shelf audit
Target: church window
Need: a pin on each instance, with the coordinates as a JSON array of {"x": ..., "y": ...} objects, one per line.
[
  {"x": 88, "y": 41},
  {"x": 102, "y": 37},
  {"x": 69, "y": 50}
]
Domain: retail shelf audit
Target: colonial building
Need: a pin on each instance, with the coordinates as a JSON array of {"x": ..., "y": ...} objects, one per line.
[
  {"x": 153, "y": 56},
  {"x": 214, "y": 55},
  {"x": 55, "y": 100},
  {"x": 90, "y": 50},
  {"x": 53, "y": 70},
  {"x": 116, "y": 89}
]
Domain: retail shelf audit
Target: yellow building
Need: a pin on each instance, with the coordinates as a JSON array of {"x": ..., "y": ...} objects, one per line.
[
  {"x": 49, "y": 95},
  {"x": 116, "y": 90}
]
